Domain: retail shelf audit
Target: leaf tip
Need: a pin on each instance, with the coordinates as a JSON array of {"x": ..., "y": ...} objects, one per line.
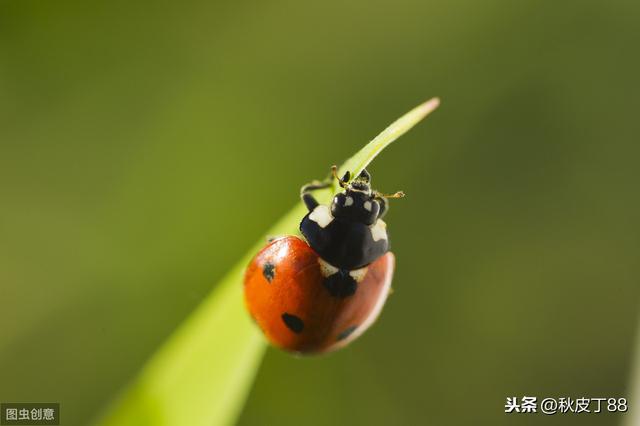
[{"x": 429, "y": 106}]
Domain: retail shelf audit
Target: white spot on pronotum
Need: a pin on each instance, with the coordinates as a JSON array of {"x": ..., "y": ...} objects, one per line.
[
  {"x": 358, "y": 274},
  {"x": 321, "y": 215},
  {"x": 348, "y": 201},
  {"x": 326, "y": 269},
  {"x": 379, "y": 230},
  {"x": 367, "y": 205}
]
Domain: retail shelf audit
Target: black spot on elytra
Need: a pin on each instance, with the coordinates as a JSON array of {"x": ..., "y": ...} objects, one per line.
[
  {"x": 269, "y": 271},
  {"x": 293, "y": 322},
  {"x": 347, "y": 332},
  {"x": 341, "y": 284}
]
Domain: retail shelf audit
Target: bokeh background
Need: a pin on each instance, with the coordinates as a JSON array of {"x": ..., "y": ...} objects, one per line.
[{"x": 144, "y": 147}]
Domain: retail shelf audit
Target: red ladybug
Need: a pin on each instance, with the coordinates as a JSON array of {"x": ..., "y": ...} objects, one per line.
[{"x": 320, "y": 294}]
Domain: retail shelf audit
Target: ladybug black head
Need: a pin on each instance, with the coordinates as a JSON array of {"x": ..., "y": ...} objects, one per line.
[
  {"x": 362, "y": 183},
  {"x": 358, "y": 202}
]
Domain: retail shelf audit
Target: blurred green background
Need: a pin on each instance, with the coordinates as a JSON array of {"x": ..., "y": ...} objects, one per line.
[{"x": 145, "y": 146}]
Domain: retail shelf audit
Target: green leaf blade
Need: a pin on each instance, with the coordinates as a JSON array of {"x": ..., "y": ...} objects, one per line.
[{"x": 396, "y": 129}]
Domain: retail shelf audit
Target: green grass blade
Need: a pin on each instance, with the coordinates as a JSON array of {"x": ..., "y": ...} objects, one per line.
[
  {"x": 203, "y": 373},
  {"x": 399, "y": 127}
]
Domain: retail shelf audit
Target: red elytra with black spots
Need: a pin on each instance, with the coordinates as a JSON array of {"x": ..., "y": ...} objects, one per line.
[
  {"x": 320, "y": 293},
  {"x": 287, "y": 295}
]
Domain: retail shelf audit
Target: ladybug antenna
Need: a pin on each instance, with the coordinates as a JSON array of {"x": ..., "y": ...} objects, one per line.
[
  {"x": 345, "y": 179},
  {"x": 398, "y": 194}
]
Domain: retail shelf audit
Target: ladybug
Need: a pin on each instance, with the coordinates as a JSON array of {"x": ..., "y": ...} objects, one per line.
[{"x": 319, "y": 293}]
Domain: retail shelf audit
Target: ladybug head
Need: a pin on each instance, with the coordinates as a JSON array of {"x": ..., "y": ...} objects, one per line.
[
  {"x": 358, "y": 202},
  {"x": 362, "y": 183}
]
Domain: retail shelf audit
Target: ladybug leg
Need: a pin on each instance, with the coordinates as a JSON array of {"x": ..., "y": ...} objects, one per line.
[
  {"x": 306, "y": 191},
  {"x": 365, "y": 176},
  {"x": 384, "y": 206}
]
